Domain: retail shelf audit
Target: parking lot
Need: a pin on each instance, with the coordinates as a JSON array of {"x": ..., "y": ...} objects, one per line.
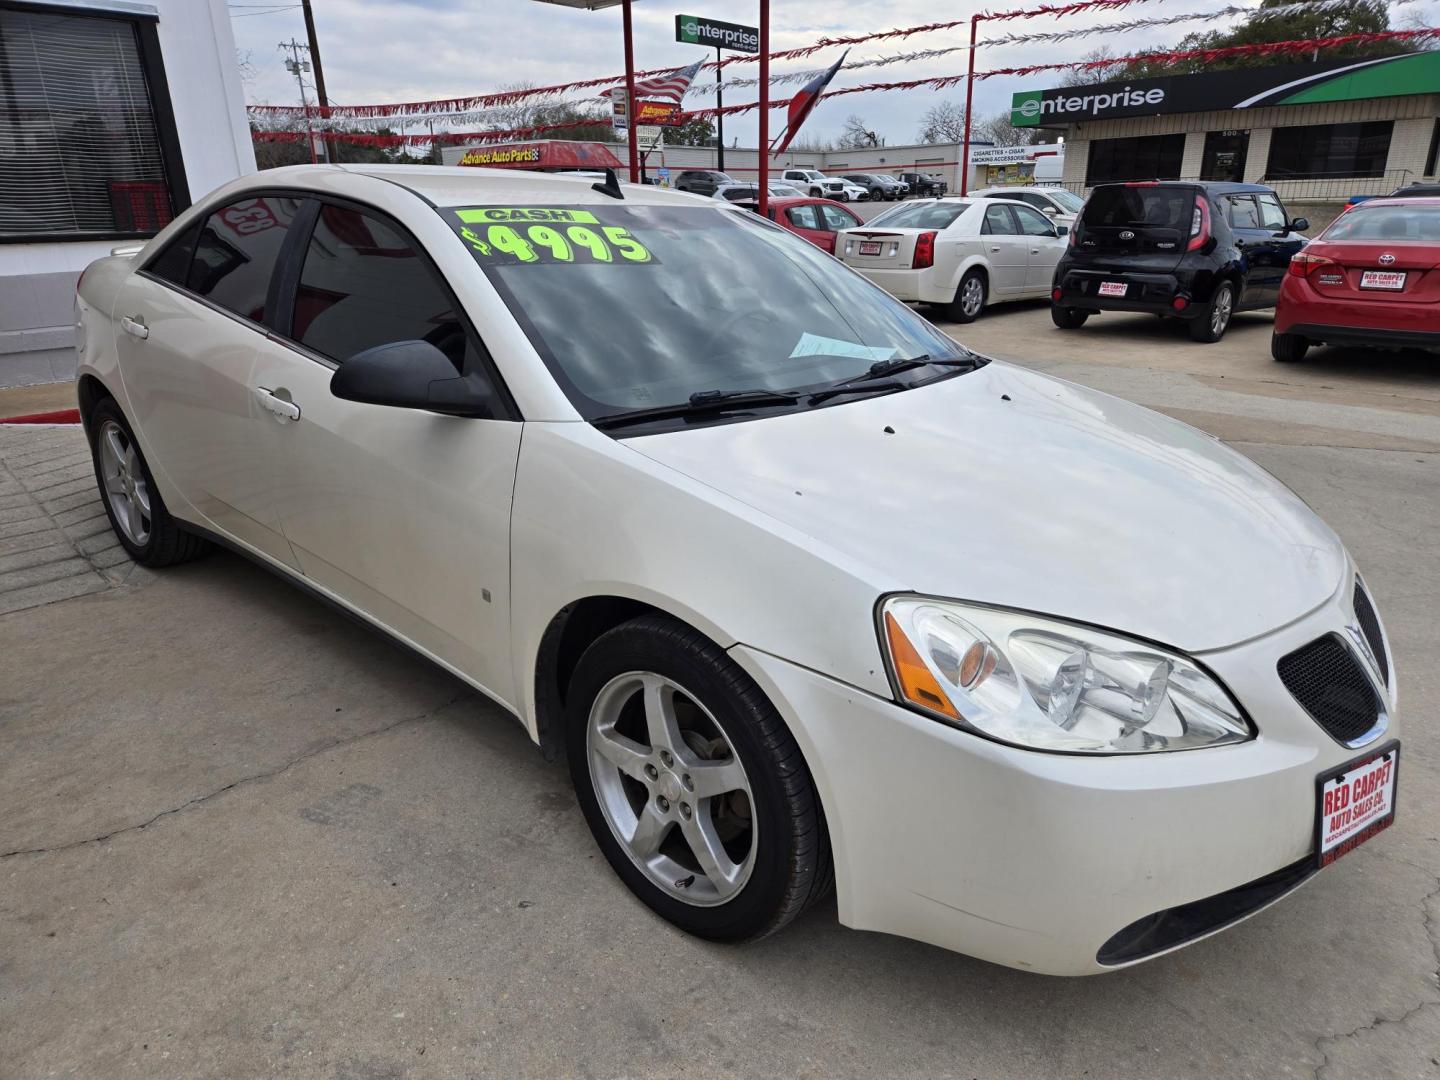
[{"x": 241, "y": 836}]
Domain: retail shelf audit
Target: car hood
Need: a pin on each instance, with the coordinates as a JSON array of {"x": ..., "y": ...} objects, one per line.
[{"x": 1007, "y": 487}]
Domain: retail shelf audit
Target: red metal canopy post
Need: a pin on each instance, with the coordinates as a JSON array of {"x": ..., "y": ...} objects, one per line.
[{"x": 632, "y": 136}]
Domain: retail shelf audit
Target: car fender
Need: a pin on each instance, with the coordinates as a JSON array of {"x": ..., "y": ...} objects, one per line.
[{"x": 593, "y": 517}]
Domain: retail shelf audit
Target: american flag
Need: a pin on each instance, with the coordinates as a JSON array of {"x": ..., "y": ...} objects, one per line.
[{"x": 668, "y": 87}]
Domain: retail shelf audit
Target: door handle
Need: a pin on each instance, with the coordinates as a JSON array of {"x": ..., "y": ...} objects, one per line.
[
  {"x": 1034, "y": 251},
  {"x": 995, "y": 247},
  {"x": 283, "y": 410},
  {"x": 134, "y": 325}
]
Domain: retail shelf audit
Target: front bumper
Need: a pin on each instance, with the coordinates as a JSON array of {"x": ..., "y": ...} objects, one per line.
[{"x": 1038, "y": 861}]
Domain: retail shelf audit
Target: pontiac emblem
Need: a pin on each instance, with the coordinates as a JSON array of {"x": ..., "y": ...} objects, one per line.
[{"x": 1386, "y": 259}]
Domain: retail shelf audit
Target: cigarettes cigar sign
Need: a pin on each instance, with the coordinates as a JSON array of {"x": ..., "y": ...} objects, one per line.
[
  {"x": 1291, "y": 84},
  {"x": 692, "y": 30}
]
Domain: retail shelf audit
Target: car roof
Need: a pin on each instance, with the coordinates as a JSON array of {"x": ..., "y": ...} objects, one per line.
[
  {"x": 1214, "y": 187},
  {"x": 1399, "y": 200},
  {"x": 456, "y": 185}
]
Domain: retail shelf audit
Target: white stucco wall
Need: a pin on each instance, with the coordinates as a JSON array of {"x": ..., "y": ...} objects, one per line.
[{"x": 37, "y": 280}]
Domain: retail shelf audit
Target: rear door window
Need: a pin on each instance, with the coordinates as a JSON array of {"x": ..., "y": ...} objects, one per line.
[
  {"x": 803, "y": 217},
  {"x": 236, "y": 253},
  {"x": 1244, "y": 214},
  {"x": 173, "y": 263},
  {"x": 998, "y": 222},
  {"x": 364, "y": 284}
]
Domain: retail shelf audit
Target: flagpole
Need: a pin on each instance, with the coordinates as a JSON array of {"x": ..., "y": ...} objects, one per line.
[
  {"x": 631, "y": 134},
  {"x": 764, "y": 185}
]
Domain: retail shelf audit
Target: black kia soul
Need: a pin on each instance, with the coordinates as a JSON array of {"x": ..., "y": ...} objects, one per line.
[{"x": 1192, "y": 251}]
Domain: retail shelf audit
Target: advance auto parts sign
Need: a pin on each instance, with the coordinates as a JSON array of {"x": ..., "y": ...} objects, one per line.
[
  {"x": 509, "y": 155},
  {"x": 537, "y": 235},
  {"x": 1243, "y": 88}
]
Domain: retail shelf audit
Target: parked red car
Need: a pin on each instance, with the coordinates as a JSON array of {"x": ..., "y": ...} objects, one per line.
[
  {"x": 1372, "y": 278},
  {"x": 817, "y": 220}
]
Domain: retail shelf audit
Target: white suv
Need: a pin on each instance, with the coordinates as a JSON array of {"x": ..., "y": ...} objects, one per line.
[{"x": 817, "y": 185}]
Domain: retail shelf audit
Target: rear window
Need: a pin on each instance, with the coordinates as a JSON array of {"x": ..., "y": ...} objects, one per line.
[
  {"x": 921, "y": 215},
  {"x": 1124, "y": 206},
  {"x": 1387, "y": 223}
]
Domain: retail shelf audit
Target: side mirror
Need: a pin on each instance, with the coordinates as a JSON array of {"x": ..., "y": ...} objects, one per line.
[
  {"x": 411, "y": 375},
  {"x": 1062, "y": 230},
  {"x": 1300, "y": 224},
  {"x": 1049, "y": 211}
]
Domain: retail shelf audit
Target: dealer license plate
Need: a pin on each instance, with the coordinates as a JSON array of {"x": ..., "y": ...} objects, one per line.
[
  {"x": 869, "y": 247},
  {"x": 1382, "y": 279},
  {"x": 1355, "y": 801},
  {"x": 1112, "y": 288}
]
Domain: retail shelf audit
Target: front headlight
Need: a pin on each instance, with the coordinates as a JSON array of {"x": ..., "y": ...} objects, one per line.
[{"x": 1044, "y": 684}]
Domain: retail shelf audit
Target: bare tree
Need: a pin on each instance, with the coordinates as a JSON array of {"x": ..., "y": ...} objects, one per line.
[
  {"x": 999, "y": 130},
  {"x": 944, "y": 122},
  {"x": 1090, "y": 76},
  {"x": 855, "y": 134}
]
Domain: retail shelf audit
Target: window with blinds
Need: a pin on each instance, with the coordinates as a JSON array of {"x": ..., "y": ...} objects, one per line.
[{"x": 79, "y": 144}]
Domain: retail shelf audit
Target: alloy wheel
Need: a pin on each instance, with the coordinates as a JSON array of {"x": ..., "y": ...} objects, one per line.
[
  {"x": 125, "y": 485},
  {"x": 671, "y": 788},
  {"x": 972, "y": 295},
  {"x": 1220, "y": 311}
]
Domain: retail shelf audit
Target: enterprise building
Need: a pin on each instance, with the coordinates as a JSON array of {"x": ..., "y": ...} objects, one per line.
[{"x": 1316, "y": 132}]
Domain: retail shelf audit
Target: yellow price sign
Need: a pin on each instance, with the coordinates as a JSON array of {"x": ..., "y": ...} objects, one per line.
[{"x": 533, "y": 235}]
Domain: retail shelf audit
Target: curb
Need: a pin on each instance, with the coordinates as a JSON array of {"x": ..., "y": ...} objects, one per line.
[{"x": 59, "y": 416}]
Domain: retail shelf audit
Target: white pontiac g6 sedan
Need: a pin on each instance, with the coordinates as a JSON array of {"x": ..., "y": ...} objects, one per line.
[
  {"x": 962, "y": 254},
  {"x": 803, "y": 590}
]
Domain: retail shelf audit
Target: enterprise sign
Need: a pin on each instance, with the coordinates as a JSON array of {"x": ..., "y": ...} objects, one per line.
[
  {"x": 1245, "y": 88},
  {"x": 693, "y": 30}
]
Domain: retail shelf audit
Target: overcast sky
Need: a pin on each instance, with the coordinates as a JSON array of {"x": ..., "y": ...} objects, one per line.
[{"x": 409, "y": 50}]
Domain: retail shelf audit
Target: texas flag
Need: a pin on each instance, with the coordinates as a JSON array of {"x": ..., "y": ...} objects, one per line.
[{"x": 803, "y": 102}]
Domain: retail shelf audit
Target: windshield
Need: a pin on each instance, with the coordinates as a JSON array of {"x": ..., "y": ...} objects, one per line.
[
  {"x": 635, "y": 307},
  {"x": 1387, "y": 223},
  {"x": 921, "y": 215},
  {"x": 1071, "y": 202}
]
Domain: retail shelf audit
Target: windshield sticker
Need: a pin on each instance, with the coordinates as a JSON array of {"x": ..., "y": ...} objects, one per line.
[
  {"x": 814, "y": 345},
  {"x": 536, "y": 235}
]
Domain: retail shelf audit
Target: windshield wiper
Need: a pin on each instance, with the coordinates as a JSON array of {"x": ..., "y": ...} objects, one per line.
[
  {"x": 869, "y": 386},
  {"x": 700, "y": 404},
  {"x": 878, "y": 377},
  {"x": 881, "y": 368}
]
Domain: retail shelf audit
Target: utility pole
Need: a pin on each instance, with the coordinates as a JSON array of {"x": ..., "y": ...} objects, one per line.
[
  {"x": 315, "y": 57},
  {"x": 298, "y": 67}
]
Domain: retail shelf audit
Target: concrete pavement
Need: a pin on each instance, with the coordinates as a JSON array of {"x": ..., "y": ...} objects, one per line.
[{"x": 240, "y": 836}]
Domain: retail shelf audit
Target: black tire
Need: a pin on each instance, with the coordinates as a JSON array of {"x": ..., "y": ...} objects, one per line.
[
  {"x": 1210, "y": 325},
  {"x": 792, "y": 867},
  {"x": 1288, "y": 348},
  {"x": 166, "y": 543},
  {"x": 961, "y": 310},
  {"x": 1068, "y": 318}
]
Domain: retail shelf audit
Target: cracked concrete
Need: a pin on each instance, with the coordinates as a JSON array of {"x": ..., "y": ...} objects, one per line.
[{"x": 245, "y": 837}]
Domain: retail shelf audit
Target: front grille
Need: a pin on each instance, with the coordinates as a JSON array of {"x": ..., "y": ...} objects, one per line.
[
  {"x": 1370, "y": 627},
  {"x": 1330, "y": 684}
]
